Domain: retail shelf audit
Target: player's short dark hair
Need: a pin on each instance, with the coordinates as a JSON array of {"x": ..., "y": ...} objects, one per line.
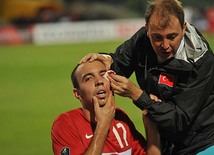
[
  {"x": 74, "y": 77},
  {"x": 164, "y": 8}
]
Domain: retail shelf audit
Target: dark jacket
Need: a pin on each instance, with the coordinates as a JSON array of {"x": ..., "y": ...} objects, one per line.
[{"x": 185, "y": 116}]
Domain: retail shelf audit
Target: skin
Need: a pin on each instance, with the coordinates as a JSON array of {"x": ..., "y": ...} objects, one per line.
[
  {"x": 165, "y": 40},
  {"x": 92, "y": 86},
  {"x": 97, "y": 102},
  {"x": 98, "y": 106}
]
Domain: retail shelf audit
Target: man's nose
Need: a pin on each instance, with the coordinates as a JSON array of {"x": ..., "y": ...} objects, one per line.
[
  {"x": 99, "y": 81},
  {"x": 165, "y": 44}
]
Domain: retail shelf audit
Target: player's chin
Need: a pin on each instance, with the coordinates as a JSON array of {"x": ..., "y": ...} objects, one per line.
[{"x": 102, "y": 102}]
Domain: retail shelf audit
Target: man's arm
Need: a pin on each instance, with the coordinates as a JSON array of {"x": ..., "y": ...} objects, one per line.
[
  {"x": 152, "y": 136},
  {"x": 104, "y": 116},
  {"x": 104, "y": 58},
  {"x": 98, "y": 140}
]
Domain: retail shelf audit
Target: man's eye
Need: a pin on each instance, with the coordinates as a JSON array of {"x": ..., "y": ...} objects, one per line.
[
  {"x": 171, "y": 37},
  {"x": 88, "y": 78},
  {"x": 102, "y": 74},
  {"x": 157, "y": 38}
]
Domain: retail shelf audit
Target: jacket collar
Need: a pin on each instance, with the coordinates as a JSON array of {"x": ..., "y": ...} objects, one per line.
[{"x": 195, "y": 47}]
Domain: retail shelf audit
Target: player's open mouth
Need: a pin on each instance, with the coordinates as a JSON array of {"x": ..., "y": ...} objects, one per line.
[{"x": 101, "y": 94}]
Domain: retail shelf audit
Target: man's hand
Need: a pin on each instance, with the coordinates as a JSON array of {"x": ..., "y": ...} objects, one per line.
[
  {"x": 124, "y": 87},
  {"x": 105, "y": 114},
  {"x": 155, "y": 98},
  {"x": 104, "y": 58}
]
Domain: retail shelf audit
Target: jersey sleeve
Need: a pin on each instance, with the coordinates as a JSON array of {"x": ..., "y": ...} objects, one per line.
[
  {"x": 65, "y": 140},
  {"x": 138, "y": 141}
]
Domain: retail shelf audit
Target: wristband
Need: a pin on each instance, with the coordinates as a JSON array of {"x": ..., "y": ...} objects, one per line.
[{"x": 143, "y": 101}]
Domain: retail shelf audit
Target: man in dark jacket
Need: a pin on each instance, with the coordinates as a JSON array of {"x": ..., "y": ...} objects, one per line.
[{"x": 173, "y": 62}]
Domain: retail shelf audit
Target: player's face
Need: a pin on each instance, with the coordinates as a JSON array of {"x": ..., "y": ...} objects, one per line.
[
  {"x": 165, "y": 41},
  {"x": 92, "y": 83}
]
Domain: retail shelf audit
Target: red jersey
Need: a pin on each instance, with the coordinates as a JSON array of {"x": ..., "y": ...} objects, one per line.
[{"x": 72, "y": 133}]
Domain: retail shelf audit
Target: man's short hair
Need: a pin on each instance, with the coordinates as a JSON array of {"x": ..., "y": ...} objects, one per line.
[
  {"x": 165, "y": 8},
  {"x": 74, "y": 77}
]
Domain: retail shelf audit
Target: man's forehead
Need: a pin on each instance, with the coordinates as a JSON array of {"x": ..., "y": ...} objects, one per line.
[
  {"x": 95, "y": 64},
  {"x": 89, "y": 67},
  {"x": 162, "y": 22}
]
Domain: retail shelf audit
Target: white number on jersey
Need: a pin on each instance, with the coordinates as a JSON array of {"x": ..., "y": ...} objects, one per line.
[{"x": 119, "y": 125}]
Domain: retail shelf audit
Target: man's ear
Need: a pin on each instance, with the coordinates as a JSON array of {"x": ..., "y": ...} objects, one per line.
[
  {"x": 77, "y": 94},
  {"x": 146, "y": 26},
  {"x": 184, "y": 27}
]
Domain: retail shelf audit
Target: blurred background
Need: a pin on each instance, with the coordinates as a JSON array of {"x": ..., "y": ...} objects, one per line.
[
  {"x": 40, "y": 43},
  {"x": 19, "y": 18}
]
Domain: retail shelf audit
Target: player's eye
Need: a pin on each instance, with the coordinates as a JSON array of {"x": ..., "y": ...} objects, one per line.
[
  {"x": 102, "y": 74},
  {"x": 87, "y": 78}
]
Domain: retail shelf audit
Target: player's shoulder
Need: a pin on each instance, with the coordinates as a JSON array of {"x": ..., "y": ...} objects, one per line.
[{"x": 69, "y": 115}]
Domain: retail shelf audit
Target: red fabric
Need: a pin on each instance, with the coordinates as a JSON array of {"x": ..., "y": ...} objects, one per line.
[{"x": 73, "y": 130}]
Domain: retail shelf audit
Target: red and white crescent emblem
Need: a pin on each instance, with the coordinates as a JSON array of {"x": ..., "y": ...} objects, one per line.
[{"x": 166, "y": 79}]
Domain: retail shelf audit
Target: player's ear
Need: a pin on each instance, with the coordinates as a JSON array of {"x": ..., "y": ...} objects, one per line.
[{"x": 77, "y": 94}]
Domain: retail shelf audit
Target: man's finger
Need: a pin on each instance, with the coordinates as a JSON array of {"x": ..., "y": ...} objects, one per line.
[
  {"x": 111, "y": 79},
  {"x": 116, "y": 88},
  {"x": 144, "y": 112},
  {"x": 96, "y": 103},
  {"x": 110, "y": 100},
  {"x": 117, "y": 78},
  {"x": 86, "y": 58}
]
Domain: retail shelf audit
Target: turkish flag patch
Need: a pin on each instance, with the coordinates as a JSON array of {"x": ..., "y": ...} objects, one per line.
[{"x": 166, "y": 79}]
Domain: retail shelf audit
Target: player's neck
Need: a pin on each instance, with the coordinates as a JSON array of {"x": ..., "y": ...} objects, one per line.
[{"x": 90, "y": 115}]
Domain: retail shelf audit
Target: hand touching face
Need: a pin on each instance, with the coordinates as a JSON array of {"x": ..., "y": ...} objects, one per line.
[{"x": 92, "y": 83}]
